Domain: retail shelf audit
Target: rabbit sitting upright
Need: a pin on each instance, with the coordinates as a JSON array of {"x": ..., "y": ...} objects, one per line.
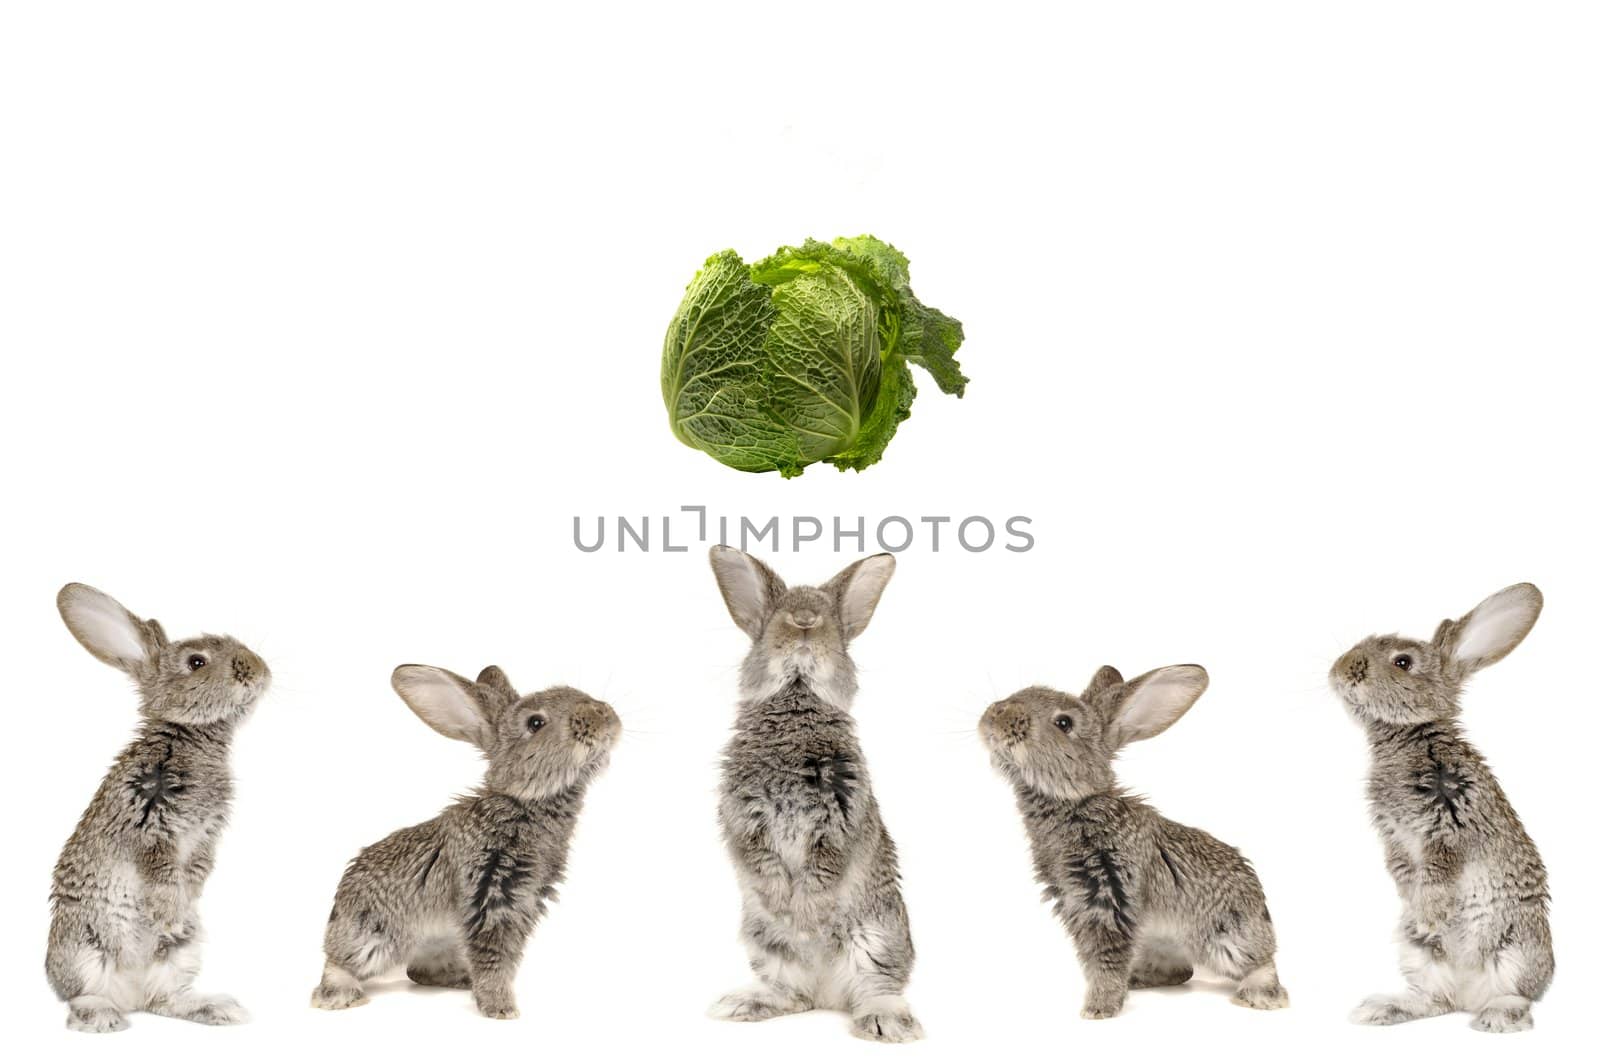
[
  {"x": 1145, "y": 899},
  {"x": 453, "y": 900},
  {"x": 1474, "y": 931},
  {"x": 124, "y": 926},
  {"x": 824, "y": 923}
]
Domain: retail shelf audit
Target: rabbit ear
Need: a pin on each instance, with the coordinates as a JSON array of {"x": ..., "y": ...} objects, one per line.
[
  {"x": 446, "y": 703},
  {"x": 1104, "y": 679},
  {"x": 749, "y": 587},
  {"x": 1153, "y": 703},
  {"x": 857, "y": 588},
  {"x": 494, "y": 678},
  {"x": 108, "y": 631},
  {"x": 1491, "y": 630}
]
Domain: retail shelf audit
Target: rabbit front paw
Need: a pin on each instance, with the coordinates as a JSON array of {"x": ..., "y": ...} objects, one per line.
[
  {"x": 1103, "y": 1005},
  {"x": 1429, "y": 919},
  {"x": 497, "y": 1004},
  {"x": 338, "y": 990},
  {"x": 1425, "y": 935},
  {"x": 175, "y": 934}
]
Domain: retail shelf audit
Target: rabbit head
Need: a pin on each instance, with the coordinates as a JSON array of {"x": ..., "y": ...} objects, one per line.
[
  {"x": 1397, "y": 680},
  {"x": 536, "y": 745},
  {"x": 203, "y": 680},
  {"x": 799, "y": 634},
  {"x": 1063, "y": 745}
]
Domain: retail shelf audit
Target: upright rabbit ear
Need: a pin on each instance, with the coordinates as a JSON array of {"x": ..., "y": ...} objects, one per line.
[
  {"x": 494, "y": 678},
  {"x": 857, "y": 588},
  {"x": 1104, "y": 679},
  {"x": 749, "y": 587},
  {"x": 1491, "y": 630},
  {"x": 446, "y": 703},
  {"x": 108, "y": 631},
  {"x": 1153, "y": 703}
]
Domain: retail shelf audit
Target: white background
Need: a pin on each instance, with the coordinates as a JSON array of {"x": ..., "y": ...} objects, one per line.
[{"x": 322, "y": 321}]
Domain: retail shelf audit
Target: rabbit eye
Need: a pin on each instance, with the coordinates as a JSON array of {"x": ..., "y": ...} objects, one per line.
[
  {"x": 196, "y": 662},
  {"x": 1402, "y": 662},
  {"x": 535, "y": 723},
  {"x": 1064, "y": 723}
]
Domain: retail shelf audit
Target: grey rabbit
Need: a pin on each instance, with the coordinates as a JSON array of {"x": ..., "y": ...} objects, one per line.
[
  {"x": 454, "y": 900},
  {"x": 824, "y": 923},
  {"x": 124, "y": 926},
  {"x": 1144, "y": 899},
  {"x": 1474, "y": 931}
]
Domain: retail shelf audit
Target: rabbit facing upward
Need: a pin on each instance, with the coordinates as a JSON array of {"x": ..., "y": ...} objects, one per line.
[
  {"x": 823, "y": 922},
  {"x": 124, "y": 927},
  {"x": 1474, "y": 931},
  {"x": 454, "y": 900},
  {"x": 1144, "y": 899}
]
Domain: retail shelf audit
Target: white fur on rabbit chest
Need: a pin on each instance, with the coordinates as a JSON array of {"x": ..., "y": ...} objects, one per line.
[
  {"x": 806, "y": 796},
  {"x": 1471, "y": 966},
  {"x": 788, "y": 829}
]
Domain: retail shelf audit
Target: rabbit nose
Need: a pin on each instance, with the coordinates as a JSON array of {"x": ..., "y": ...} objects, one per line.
[
  {"x": 804, "y": 619},
  {"x": 1006, "y": 721},
  {"x": 1355, "y": 669},
  {"x": 595, "y": 720},
  {"x": 248, "y": 668}
]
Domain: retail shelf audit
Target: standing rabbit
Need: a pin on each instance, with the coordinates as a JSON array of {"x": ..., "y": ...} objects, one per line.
[
  {"x": 1145, "y": 899},
  {"x": 124, "y": 926},
  {"x": 823, "y": 920},
  {"x": 454, "y": 900},
  {"x": 1474, "y": 930}
]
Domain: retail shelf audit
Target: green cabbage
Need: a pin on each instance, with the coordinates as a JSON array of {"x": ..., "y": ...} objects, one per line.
[{"x": 802, "y": 356}]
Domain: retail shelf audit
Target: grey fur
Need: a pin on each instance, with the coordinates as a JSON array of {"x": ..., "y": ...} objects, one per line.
[
  {"x": 824, "y": 923},
  {"x": 1474, "y": 930},
  {"x": 454, "y": 900},
  {"x": 1144, "y": 899},
  {"x": 125, "y": 925}
]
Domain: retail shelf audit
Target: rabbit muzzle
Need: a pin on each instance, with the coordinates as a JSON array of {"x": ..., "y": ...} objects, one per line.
[
  {"x": 1350, "y": 673},
  {"x": 248, "y": 676},
  {"x": 248, "y": 669},
  {"x": 1005, "y": 727},
  {"x": 595, "y": 727}
]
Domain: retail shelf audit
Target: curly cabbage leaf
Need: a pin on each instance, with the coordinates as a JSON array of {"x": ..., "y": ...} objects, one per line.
[{"x": 803, "y": 356}]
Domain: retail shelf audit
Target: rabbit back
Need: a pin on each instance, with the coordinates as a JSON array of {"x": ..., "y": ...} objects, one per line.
[
  {"x": 1212, "y": 894},
  {"x": 394, "y": 895}
]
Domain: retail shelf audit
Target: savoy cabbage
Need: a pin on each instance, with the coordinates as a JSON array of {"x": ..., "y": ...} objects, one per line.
[{"x": 803, "y": 356}]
